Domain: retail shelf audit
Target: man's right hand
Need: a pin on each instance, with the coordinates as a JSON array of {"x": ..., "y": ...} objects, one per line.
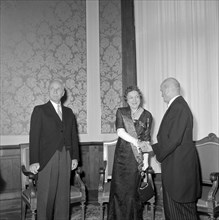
[
  {"x": 145, "y": 147},
  {"x": 34, "y": 168}
]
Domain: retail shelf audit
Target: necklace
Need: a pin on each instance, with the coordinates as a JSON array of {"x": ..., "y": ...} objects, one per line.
[{"x": 133, "y": 113}]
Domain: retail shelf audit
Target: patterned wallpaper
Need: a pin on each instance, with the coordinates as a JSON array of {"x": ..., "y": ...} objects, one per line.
[
  {"x": 41, "y": 40},
  {"x": 110, "y": 63}
]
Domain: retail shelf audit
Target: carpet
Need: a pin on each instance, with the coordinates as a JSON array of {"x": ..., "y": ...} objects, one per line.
[{"x": 93, "y": 213}]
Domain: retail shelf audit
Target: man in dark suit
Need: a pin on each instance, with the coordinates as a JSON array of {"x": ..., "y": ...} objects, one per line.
[
  {"x": 176, "y": 152},
  {"x": 53, "y": 153}
]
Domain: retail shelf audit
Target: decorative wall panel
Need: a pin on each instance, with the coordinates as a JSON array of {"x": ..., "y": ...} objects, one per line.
[
  {"x": 110, "y": 62},
  {"x": 41, "y": 40}
]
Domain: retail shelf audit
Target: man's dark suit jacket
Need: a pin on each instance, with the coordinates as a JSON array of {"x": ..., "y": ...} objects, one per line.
[
  {"x": 176, "y": 152},
  {"x": 49, "y": 134}
]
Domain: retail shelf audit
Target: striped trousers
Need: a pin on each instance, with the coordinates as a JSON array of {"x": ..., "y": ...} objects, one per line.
[
  {"x": 178, "y": 211},
  {"x": 53, "y": 188}
]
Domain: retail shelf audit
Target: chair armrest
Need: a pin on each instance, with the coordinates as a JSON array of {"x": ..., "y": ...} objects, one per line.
[
  {"x": 214, "y": 177},
  {"x": 32, "y": 181},
  {"x": 102, "y": 176},
  {"x": 78, "y": 180},
  {"x": 32, "y": 178},
  {"x": 28, "y": 173}
]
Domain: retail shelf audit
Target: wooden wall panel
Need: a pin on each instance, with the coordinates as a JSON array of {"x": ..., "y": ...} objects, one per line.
[
  {"x": 10, "y": 182},
  {"x": 9, "y": 171},
  {"x": 92, "y": 159}
]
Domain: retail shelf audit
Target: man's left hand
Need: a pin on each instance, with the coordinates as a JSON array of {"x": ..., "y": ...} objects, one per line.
[{"x": 74, "y": 164}]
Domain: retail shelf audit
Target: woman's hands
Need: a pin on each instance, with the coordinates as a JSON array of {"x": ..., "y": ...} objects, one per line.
[{"x": 145, "y": 146}]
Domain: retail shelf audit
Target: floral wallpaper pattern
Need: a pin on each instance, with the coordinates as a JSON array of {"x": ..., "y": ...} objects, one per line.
[
  {"x": 41, "y": 40},
  {"x": 110, "y": 63}
]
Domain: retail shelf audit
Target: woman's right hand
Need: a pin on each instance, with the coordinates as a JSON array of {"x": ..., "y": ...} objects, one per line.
[{"x": 136, "y": 142}]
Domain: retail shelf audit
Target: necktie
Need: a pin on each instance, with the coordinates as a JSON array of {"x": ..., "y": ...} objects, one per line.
[{"x": 59, "y": 111}]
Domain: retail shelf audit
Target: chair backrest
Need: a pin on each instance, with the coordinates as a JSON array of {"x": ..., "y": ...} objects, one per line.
[
  {"x": 208, "y": 150},
  {"x": 108, "y": 156},
  {"x": 24, "y": 149}
]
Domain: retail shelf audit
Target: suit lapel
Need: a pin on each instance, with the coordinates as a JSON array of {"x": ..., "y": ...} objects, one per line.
[
  {"x": 53, "y": 112},
  {"x": 64, "y": 114},
  {"x": 167, "y": 112}
]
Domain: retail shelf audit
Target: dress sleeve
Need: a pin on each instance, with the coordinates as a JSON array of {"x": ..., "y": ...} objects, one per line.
[
  {"x": 150, "y": 118},
  {"x": 119, "y": 120}
]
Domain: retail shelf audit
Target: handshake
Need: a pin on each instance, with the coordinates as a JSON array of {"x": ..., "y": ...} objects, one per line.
[{"x": 144, "y": 146}]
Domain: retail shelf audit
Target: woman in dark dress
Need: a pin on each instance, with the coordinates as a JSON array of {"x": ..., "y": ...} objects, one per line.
[{"x": 133, "y": 124}]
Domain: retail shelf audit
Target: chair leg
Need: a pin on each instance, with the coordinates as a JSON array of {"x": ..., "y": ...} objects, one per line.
[
  {"x": 33, "y": 214},
  {"x": 82, "y": 211},
  {"x": 163, "y": 215},
  {"x": 105, "y": 210},
  {"x": 211, "y": 217},
  {"x": 101, "y": 211},
  {"x": 146, "y": 208},
  {"x": 23, "y": 210},
  {"x": 161, "y": 201},
  {"x": 152, "y": 211}
]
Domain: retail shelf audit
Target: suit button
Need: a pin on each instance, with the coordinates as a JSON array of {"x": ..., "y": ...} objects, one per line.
[{"x": 61, "y": 131}]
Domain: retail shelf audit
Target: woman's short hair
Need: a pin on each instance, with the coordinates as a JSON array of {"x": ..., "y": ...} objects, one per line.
[{"x": 130, "y": 89}]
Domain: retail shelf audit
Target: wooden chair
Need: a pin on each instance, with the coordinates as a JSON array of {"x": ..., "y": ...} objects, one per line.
[
  {"x": 28, "y": 185},
  {"x": 208, "y": 150},
  {"x": 29, "y": 189},
  {"x": 151, "y": 202},
  {"x": 78, "y": 192},
  {"x": 106, "y": 176}
]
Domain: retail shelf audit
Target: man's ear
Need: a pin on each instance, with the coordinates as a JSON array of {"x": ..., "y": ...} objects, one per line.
[{"x": 168, "y": 91}]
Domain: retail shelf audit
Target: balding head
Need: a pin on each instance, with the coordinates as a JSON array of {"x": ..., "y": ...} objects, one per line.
[{"x": 170, "y": 88}]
